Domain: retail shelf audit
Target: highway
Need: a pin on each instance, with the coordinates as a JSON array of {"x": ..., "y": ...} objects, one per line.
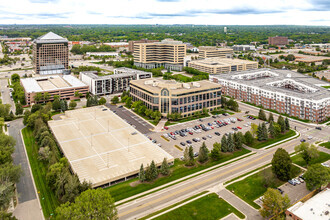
[{"x": 211, "y": 180}]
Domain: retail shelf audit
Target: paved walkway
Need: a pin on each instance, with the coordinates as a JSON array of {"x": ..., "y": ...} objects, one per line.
[
  {"x": 28, "y": 211},
  {"x": 159, "y": 127},
  {"x": 239, "y": 204}
]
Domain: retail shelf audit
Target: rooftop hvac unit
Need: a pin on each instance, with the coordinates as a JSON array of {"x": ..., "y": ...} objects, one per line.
[
  {"x": 155, "y": 84},
  {"x": 186, "y": 85},
  {"x": 148, "y": 82},
  {"x": 196, "y": 84}
]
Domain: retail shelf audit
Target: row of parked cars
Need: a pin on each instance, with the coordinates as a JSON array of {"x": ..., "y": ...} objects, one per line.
[{"x": 297, "y": 181}]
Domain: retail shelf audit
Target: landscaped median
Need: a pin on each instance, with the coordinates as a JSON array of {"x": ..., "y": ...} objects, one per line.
[
  {"x": 207, "y": 207},
  {"x": 326, "y": 144},
  {"x": 132, "y": 187},
  {"x": 260, "y": 144}
]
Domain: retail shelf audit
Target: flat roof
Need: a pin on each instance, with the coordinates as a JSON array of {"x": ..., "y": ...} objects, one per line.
[
  {"x": 101, "y": 147},
  {"x": 278, "y": 75},
  {"x": 49, "y": 83},
  {"x": 211, "y": 48},
  {"x": 317, "y": 207},
  {"x": 157, "y": 84},
  {"x": 219, "y": 62},
  {"x": 93, "y": 75}
]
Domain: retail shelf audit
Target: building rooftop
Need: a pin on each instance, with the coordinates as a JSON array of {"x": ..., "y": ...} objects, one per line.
[
  {"x": 211, "y": 48},
  {"x": 93, "y": 75},
  {"x": 50, "y": 38},
  {"x": 101, "y": 147},
  {"x": 284, "y": 81},
  {"x": 317, "y": 207},
  {"x": 49, "y": 83},
  {"x": 165, "y": 41},
  {"x": 156, "y": 85},
  {"x": 219, "y": 62}
]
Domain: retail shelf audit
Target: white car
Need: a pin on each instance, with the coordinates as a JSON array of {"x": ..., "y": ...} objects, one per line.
[
  {"x": 209, "y": 136},
  {"x": 310, "y": 137}
]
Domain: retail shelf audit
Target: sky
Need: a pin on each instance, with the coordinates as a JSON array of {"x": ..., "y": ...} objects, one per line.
[{"x": 210, "y": 12}]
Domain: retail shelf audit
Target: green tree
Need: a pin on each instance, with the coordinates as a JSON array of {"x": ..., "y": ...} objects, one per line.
[
  {"x": 238, "y": 140},
  {"x": 215, "y": 152},
  {"x": 230, "y": 143},
  {"x": 7, "y": 144},
  {"x": 248, "y": 138},
  {"x": 271, "y": 129},
  {"x": 203, "y": 154},
  {"x": 165, "y": 168},
  {"x": 102, "y": 101},
  {"x": 142, "y": 176},
  {"x": 115, "y": 100},
  {"x": 224, "y": 146},
  {"x": 262, "y": 115},
  {"x": 15, "y": 78},
  {"x": 308, "y": 152},
  {"x": 46, "y": 96},
  {"x": 317, "y": 176},
  {"x": 19, "y": 109},
  {"x": 148, "y": 175},
  {"x": 287, "y": 124},
  {"x": 268, "y": 178},
  {"x": 72, "y": 104},
  {"x": 7, "y": 215},
  {"x": 90, "y": 204},
  {"x": 153, "y": 170},
  {"x": 270, "y": 117},
  {"x": 38, "y": 97},
  {"x": 254, "y": 129},
  {"x": 64, "y": 105},
  {"x": 27, "y": 114},
  {"x": 281, "y": 123},
  {"x": 56, "y": 105},
  {"x": 273, "y": 203},
  {"x": 128, "y": 102},
  {"x": 282, "y": 164}
]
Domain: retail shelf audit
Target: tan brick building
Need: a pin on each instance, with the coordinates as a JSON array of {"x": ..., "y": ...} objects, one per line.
[
  {"x": 132, "y": 42},
  {"x": 285, "y": 91},
  {"x": 64, "y": 86},
  {"x": 208, "y": 52},
  {"x": 218, "y": 65},
  {"x": 169, "y": 96},
  {"x": 50, "y": 54},
  {"x": 167, "y": 53}
]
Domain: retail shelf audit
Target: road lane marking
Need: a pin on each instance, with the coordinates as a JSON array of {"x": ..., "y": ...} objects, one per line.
[{"x": 195, "y": 185}]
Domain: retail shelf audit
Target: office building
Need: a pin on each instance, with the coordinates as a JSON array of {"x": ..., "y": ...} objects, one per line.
[
  {"x": 222, "y": 65},
  {"x": 208, "y": 52},
  {"x": 50, "y": 54},
  {"x": 64, "y": 86},
  {"x": 316, "y": 208},
  {"x": 102, "y": 148},
  {"x": 278, "y": 41},
  {"x": 167, "y": 53},
  {"x": 110, "y": 84},
  {"x": 285, "y": 91},
  {"x": 244, "y": 48},
  {"x": 132, "y": 42},
  {"x": 169, "y": 96}
]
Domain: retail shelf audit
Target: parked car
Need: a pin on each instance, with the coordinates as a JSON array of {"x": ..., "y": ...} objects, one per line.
[
  {"x": 318, "y": 128},
  {"x": 181, "y": 158},
  {"x": 195, "y": 154},
  {"x": 214, "y": 116},
  {"x": 310, "y": 137},
  {"x": 239, "y": 119},
  {"x": 189, "y": 142},
  {"x": 159, "y": 144},
  {"x": 209, "y": 136},
  {"x": 166, "y": 128},
  {"x": 190, "y": 133},
  {"x": 280, "y": 190},
  {"x": 217, "y": 133},
  {"x": 183, "y": 143},
  {"x": 204, "y": 138},
  {"x": 292, "y": 183},
  {"x": 154, "y": 141},
  {"x": 239, "y": 127},
  {"x": 301, "y": 180},
  {"x": 194, "y": 139},
  {"x": 200, "y": 119},
  {"x": 302, "y": 140}
]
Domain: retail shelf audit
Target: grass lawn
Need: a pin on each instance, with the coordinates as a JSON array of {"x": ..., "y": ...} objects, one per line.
[
  {"x": 326, "y": 87},
  {"x": 172, "y": 206},
  {"x": 207, "y": 207},
  {"x": 47, "y": 198},
  {"x": 297, "y": 159},
  {"x": 190, "y": 118},
  {"x": 257, "y": 144},
  {"x": 220, "y": 112},
  {"x": 326, "y": 145},
  {"x": 178, "y": 170},
  {"x": 251, "y": 188}
]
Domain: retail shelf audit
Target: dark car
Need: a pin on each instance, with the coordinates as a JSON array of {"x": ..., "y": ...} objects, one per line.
[
  {"x": 318, "y": 128},
  {"x": 204, "y": 138},
  {"x": 214, "y": 116},
  {"x": 189, "y": 142},
  {"x": 281, "y": 191},
  {"x": 194, "y": 139},
  {"x": 183, "y": 143},
  {"x": 302, "y": 140},
  {"x": 217, "y": 133}
]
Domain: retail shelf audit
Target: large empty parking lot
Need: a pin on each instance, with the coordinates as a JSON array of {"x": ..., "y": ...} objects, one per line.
[{"x": 101, "y": 147}]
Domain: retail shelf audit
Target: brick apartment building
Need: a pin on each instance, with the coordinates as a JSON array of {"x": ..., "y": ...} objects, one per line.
[
  {"x": 278, "y": 41},
  {"x": 285, "y": 91}
]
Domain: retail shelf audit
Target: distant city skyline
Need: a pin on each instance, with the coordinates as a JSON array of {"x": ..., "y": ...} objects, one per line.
[{"x": 212, "y": 12}]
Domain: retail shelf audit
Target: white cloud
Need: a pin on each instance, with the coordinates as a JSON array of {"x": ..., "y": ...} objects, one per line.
[{"x": 216, "y": 12}]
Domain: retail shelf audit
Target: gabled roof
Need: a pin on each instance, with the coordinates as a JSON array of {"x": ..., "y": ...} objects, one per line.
[{"x": 50, "y": 38}]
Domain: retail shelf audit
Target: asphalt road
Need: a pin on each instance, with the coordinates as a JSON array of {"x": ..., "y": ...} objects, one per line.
[
  {"x": 131, "y": 118},
  {"x": 25, "y": 188},
  {"x": 213, "y": 179},
  {"x": 5, "y": 94},
  {"x": 150, "y": 203}
]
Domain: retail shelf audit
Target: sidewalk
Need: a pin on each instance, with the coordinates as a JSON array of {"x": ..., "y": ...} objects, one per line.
[
  {"x": 239, "y": 204},
  {"x": 28, "y": 211},
  {"x": 159, "y": 127}
]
